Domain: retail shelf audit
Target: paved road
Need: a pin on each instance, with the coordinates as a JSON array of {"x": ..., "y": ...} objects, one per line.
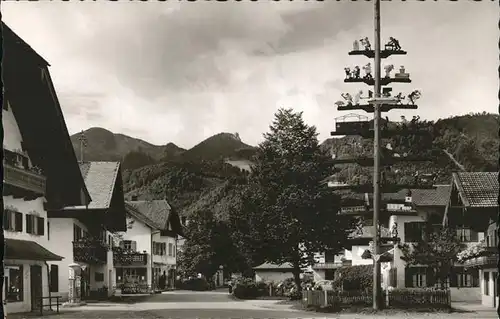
[{"x": 220, "y": 305}]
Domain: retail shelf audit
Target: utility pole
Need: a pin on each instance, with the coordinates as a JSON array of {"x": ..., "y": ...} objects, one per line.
[
  {"x": 83, "y": 143},
  {"x": 376, "y": 160},
  {"x": 380, "y": 100}
]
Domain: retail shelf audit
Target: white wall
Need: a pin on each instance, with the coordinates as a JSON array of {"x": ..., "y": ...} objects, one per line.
[
  {"x": 61, "y": 243},
  {"x": 141, "y": 234},
  {"x": 166, "y": 259},
  {"x": 490, "y": 300},
  {"x": 25, "y": 305},
  {"x": 27, "y": 207},
  {"x": 271, "y": 276}
]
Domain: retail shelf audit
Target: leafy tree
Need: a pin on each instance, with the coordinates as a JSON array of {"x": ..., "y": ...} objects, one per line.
[
  {"x": 208, "y": 246},
  {"x": 288, "y": 210},
  {"x": 438, "y": 250}
]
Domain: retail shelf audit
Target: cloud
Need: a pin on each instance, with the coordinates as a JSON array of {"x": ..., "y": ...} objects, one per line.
[{"x": 184, "y": 71}]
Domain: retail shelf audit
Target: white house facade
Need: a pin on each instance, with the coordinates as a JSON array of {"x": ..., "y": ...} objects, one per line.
[{"x": 31, "y": 117}]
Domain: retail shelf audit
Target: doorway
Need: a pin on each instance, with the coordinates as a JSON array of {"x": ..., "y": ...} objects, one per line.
[{"x": 36, "y": 286}]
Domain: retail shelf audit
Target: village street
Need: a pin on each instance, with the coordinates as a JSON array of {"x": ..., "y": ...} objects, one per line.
[{"x": 217, "y": 304}]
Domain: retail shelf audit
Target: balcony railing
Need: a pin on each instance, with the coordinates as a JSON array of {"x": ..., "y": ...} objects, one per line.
[
  {"x": 24, "y": 178},
  {"x": 126, "y": 258},
  {"x": 482, "y": 261},
  {"x": 90, "y": 252}
]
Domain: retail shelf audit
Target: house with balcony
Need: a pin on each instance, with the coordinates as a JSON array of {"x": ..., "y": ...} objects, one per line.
[
  {"x": 163, "y": 238},
  {"x": 402, "y": 219},
  {"x": 40, "y": 171},
  {"x": 473, "y": 209},
  {"x": 83, "y": 234}
]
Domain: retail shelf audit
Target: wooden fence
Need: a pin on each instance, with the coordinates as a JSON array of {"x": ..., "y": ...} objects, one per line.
[{"x": 397, "y": 298}]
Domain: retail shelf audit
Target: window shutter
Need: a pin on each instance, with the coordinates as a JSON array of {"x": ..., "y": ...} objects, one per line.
[
  {"x": 408, "y": 277},
  {"x": 133, "y": 245},
  {"x": 29, "y": 224},
  {"x": 54, "y": 278},
  {"x": 473, "y": 236},
  {"x": 19, "y": 221},
  {"x": 429, "y": 277},
  {"x": 41, "y": 226},
  {"x": 164, "y": 248},
  {"x": 6, "y": 219}
]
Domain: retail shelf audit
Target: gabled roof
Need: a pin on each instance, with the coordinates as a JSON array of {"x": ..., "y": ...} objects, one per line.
[
  {"x": 136, "y": 214},
  {"x": 477, "y": 189},
  {"x": 100, "y": 179},
  {"x": 156, "y": 211},
  {"x": 422, "y": 197},
  {"x": 45, "y": 137},
  {"x": 270, "y": 266}
]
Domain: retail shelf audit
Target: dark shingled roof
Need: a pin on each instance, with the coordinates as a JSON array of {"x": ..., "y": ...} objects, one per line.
[
  {"x": 156, "y": 211},
  {"x": 100, "y": 179},
  {"x": 422, "y": 197},
  {"x": 477, "y": 189},
  {"x": 27, "y": 250}
]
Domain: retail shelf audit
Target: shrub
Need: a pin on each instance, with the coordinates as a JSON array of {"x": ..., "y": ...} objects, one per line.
[
  {"x": 245, "y": 288},
  {"x": 295, "y": 295},
  {"x": 196, "y": 284},
  {"x": 358, "y": 277}
]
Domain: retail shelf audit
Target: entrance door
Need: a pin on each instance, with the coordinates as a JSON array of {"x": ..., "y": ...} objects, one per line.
[
  {"x": 495, "y": 288},
  {"x": 110, "y": 282},
  {"x": 36, "y": 286}
]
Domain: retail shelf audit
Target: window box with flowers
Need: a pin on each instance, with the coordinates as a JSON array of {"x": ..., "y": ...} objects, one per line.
[{"x": 478, "y": 255}]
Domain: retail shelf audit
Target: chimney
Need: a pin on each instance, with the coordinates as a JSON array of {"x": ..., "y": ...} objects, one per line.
[{"x": 134, "y": 198}]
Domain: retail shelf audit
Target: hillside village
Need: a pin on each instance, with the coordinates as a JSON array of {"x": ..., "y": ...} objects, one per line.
[{"x": 98, "y": 215}]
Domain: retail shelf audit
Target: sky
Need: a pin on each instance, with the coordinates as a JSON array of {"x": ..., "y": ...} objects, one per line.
[{"x": 183, "y": 71}]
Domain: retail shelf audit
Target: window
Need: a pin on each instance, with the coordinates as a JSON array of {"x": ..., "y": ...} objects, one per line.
[
  {"x": 160, "y": 249},
  {"x": 77, "y": 233},
  {"x": 54, "y": 278},
  {"x": 12, "y": 221},
  {"x": 128, "y": 245},
  {"x": 486, "y": 283},
  {"x": 416, "y": 277},
  {"x": 99, "y": 277},
  {"x": 329, "y": 274},
  {"x": 467, "y": 235},
  {"x": 413, "y": 231},
  {"x": 170, "y": 249},
  {"x": 35, "y": 225},
  {"x": 15, "y": 283}
]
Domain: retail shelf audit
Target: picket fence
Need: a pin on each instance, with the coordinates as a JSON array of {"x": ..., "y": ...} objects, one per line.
[{"x": 395, "y": 299}]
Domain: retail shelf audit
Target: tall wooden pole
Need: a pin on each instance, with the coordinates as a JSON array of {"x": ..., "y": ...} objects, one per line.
[{"x": 376, "y": 160}]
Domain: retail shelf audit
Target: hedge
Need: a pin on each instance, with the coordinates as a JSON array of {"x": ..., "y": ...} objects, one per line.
[{"x": 359, "y": 277}]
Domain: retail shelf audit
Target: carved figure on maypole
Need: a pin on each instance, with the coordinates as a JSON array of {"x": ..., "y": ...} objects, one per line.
[
  {"x": 393, "y": 44},
  {"x": 366, "y": 43},
  {"x": 388, "y": 69},
  {"x": 368, "y": 71},
  {"x": 347, "y": 97},
  {"x": 348, "y": 73},
  {"x": 357, "y": 97},
  {"x": 355, "y": 45},
  {"x": 414, "y": 96},
  {"x": 357, "y": 72},
  {"x": 400, "y": 97}
]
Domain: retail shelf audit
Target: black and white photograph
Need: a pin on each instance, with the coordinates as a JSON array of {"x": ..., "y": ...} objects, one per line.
[{"x": 250, "y": 159}]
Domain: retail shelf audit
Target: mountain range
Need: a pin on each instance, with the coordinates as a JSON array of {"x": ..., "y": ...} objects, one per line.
[{"x": 207, "y": 176}]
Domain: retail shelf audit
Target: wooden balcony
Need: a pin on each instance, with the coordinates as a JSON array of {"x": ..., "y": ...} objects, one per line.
[
  {"x": 126, "y": 258},
  {"x": 90, "y": 252},
  {"x": 488, "y": 258},
  {"x": 25, "y": 179},
  {"x": 482, "y": 262}
]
